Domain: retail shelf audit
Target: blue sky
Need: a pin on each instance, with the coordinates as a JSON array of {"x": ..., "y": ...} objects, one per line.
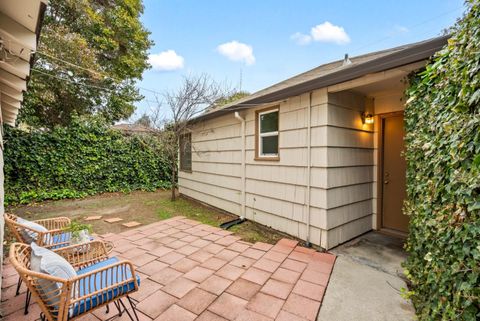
[{"x": 270, "y": 40}]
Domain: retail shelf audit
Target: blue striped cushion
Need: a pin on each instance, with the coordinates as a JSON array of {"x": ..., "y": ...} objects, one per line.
[{"x": 102, "y": 280}]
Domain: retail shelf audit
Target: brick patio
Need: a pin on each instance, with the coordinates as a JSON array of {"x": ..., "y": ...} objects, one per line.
[{"x": 192, "y": 271}]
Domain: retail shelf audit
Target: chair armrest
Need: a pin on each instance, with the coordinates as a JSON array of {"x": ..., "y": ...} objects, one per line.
[
  {"x": 54, "y": 223},
  {"x": 85, "y": 254},
  {"x": 96, "y": 283}
]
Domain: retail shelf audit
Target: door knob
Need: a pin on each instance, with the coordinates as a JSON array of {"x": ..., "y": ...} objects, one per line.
[{"x": 385, "y": 182}]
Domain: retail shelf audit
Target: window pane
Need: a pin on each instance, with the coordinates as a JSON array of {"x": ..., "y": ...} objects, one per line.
[
  {"x": 186, "y": 152},
  {"x": 269, "y": 122},
  {"x": 270, "y": 145}
]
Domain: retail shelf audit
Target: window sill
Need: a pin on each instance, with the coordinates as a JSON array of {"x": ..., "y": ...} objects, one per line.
[
  {"x": 258, "y": 158},
  {"x": 186, "y": 171}
]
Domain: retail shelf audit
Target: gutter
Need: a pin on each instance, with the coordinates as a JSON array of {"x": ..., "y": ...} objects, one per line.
[{"x": 243, "y": 179}]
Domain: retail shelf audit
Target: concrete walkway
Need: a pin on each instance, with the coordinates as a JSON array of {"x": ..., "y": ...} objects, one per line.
[{"x": 366, "y": 281}]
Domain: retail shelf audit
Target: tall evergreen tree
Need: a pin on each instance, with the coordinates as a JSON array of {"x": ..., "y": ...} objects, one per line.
[{"x": 90, "y": 54}]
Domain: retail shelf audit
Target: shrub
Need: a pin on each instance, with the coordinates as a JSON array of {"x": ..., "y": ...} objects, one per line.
[
  {"x": 83, "y": 159},
  {"x": 443, "y": 153}
]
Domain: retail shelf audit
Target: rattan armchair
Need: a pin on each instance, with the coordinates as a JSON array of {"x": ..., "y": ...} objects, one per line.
[
  {"x": 100, "y": 280},
  {"x": 55, "y": 237}
]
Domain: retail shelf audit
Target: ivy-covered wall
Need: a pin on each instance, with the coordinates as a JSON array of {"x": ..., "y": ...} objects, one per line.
[
  {"x": 83, "y": 159},
  {"x": 443, "y": 153}
]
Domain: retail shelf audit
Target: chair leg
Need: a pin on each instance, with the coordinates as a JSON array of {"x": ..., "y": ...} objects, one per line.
[
  {"x": 108, "y": 309},
  {"x": 118, "y": 308},
  {"x": 28, "y": 297},
  {"x": 19, "y": 284},
  {"x": 129, "y": 315},
  {"x": 134, "y": 307}
]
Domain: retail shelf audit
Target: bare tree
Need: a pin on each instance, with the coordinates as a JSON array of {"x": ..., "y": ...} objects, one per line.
[{"x": 171, "y": 116}]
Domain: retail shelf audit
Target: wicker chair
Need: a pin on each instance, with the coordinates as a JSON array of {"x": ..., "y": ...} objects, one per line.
[
  {"x": 55, "y": 237},
  {"x": 100, "y": 280}
]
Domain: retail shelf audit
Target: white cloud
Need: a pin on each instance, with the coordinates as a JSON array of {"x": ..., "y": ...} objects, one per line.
[
  {"x": 237, "y": 51},
  {"x": 166, "y": 61},
  {"x": 327, "y": 32},
  {"x": 301, "y": 39},
  {"x": 324, "y": 32}
]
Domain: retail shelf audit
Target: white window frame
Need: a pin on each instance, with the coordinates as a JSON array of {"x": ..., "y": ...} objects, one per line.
[{"x": 269, "y": 134}]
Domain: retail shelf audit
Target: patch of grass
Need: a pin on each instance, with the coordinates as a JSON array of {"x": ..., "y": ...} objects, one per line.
[
  {"x": 249, "y": 234},
  {"x": 163, "y": 214},
  {"x": 249, "y": 231},
  {"x": 185, "y": 208},
  {"x": 254, "y": 232}
]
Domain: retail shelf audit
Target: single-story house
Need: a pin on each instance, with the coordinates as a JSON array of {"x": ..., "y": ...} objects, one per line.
[
  {"x": 20, "y": 24},
  {"x": 317, "y": 156}
]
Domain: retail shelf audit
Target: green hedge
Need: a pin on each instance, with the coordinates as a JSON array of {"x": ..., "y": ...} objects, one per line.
[
  {"x": 83, "y": 159},
  {"x": 443, "y": 152}
]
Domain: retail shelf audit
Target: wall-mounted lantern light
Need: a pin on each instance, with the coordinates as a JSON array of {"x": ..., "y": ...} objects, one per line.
[{"x": 367, "y": 118}]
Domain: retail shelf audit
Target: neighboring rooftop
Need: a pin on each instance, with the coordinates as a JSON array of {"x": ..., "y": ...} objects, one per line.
[
  {"x": 131, "y": 128},
  {"x": 336, "y": 72}
]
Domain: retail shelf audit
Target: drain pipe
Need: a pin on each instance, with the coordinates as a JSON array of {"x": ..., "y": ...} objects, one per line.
[
  {"x": 242, "y": 121},
  {"x": 309, "y": 165}
]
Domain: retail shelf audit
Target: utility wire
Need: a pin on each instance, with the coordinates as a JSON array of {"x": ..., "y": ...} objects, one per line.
[
  {"x": 85, "y": 85},
  {"x": 94, "y": 71},
  {"x": 70, "y": 81},
  {"x": 355, "y": 50}
]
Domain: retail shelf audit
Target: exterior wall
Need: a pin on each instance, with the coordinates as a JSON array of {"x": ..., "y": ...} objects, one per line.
[
  {"x": 216, "y": 164},
  {"x": 341, "y": 168},
  {"x": 349, "y": 168},
  {"x": 275, "y": 190}
]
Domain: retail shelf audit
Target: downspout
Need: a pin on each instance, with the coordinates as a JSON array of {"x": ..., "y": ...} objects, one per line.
[
  {"x": 309, "y": 165},
  {"x": 242, "y": 121}
]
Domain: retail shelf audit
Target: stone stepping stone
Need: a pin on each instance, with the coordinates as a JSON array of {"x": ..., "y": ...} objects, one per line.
[
  {"x": 93, "y": 218},
  {"x": 131, "y": 224},
  {"x": 113, "y": 220}
]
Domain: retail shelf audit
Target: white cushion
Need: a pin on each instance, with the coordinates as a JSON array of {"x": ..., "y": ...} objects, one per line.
[
  {"x": 48, "y": 262},
  {"x": 29, "y": 235}
]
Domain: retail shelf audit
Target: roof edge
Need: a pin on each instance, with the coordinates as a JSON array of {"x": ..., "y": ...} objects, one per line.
[{"x": 417, "y": 52}]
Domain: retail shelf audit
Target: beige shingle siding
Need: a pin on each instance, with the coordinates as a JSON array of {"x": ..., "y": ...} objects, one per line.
[
  {"x": 216, "y": 169},
  {"x": 275, "y": 191},
  {"x": 349, "y": 168},
  {"x": 341, "y": 174}
]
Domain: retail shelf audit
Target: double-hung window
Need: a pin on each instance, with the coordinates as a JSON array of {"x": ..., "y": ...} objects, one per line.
[{"x": 267, "y": 134}]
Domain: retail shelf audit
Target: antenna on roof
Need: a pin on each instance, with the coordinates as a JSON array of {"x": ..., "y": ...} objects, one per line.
[
  {"x": 346, "y": 60},
  {"x": 240, "y": 83}
]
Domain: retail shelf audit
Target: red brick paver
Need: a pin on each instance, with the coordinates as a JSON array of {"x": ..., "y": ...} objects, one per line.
[{"x": 191, "y": 271}]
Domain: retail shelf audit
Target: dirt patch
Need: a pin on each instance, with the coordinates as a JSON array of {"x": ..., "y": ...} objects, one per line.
[{"x": 143, "y": 207}]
